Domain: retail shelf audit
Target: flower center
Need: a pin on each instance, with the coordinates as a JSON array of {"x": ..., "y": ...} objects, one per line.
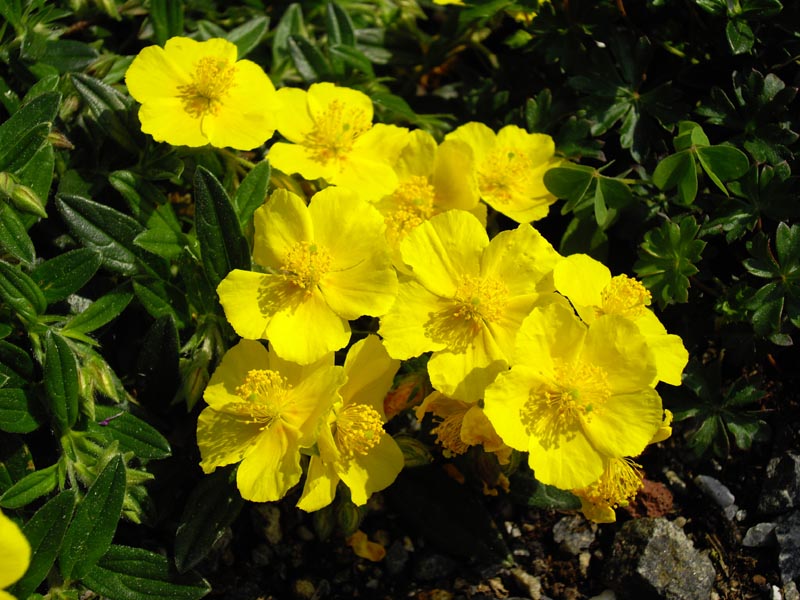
[
  {"x": 624, "y": 296},
  {"x": 504, "y": 174},
  {"x": 574, "y": 395},
  {"x": 358, "y": 429},
  {"x": 448, "y": 432},
  {"x": 305, "y": 264},
  {"x": 264, "y": 395},
  {"x": 211, "y": 82},
  {"x": 480, "y": 300},
  {"x": 410, "y": 205},
  {"x": 335, "y": 131},
  {"x": 617, "y": 486}
]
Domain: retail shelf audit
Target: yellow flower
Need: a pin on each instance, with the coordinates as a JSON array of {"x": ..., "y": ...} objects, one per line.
[
  {"x": 196, "y": 93},
  {"x": 432, "y": 180},
  {"x": 261, "y": 411},
  {"x": 333, "y": 138},
  {"x": 15, "y": 555},
  {"x": 353, "y": 446},
  {"x": 594, "y": 292},
  {"x": 510, "y": 168},
  {"x": 461, "y": 425},
  {"x": 466, "y": 300},
  {"x": 326, "y": 263},
  {"x": 575, "y": 395},
  {"x": 617, "y": 486}
]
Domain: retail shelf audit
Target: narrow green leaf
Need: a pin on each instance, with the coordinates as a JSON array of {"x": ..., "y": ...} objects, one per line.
[
  {"x": 61, "y": 380},
  {"x": 29, "y": 488},
  {"x": 165, "y": 243},
  {"x": 222, "y": 244},
  {"x": 211, "y": 507},
  {"x": 108, "y": 231},
  {"x": 155, "y": 300},
  {"x": 37, "y": 173},
  {"x": 133, "y": 434},
  {"x": 66, "y": 273},
  {"x": 24, "y": 148},
  {"x": 167, "y": 18},
  {"x": 103, "y": 310},
  {"x": 339, "y": 26},
  {"x": 14, "y": 237},
  {"x": 16, "y": 411},
  {"x": 308, "y": 60},
  {"x": 787, "y": 245},
  {"x": 291, "y": 23},
  {"x": 18, "y": 364},
  {"x": 249, "y": 35},
  {"x": 91, "y": 531},
  {"x": 125, "y": 573},
  {"x": 38, "y": 113},
  {"x": 159, "y": 360},
  {"x": 45, "y": 531},
  {"x": 687, "y": 186},
  {"x": 21, "y": 293},
  {"x": 109, "y": 107},
  {"x": 353, "y": 57},
  {"x": 740, "y": 37},
  {"x": 252, "y": 192},
  {"x": 68, "y": 55}
]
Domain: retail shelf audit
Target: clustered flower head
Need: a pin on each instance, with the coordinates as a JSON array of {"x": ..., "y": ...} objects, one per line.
[{"x": 527, "y": 351}]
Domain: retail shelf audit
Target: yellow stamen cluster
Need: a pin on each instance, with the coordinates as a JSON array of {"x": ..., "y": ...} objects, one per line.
[
  {"x": 576, "y": 392},
  {"x": 212, "y": 80},
  {"x": 617, "y": 486},
  {"x": 625, "y": 296},
  {"x": 264, "y": 395},
  {"x": 448, "y": 432},
  {"x": 480, "y": 300},
  {"x": 411, "y": 205},
  {"x": 336, "y": 131},
  {"x": 358, "y": 429},
  {"x": 305, "y": 264},
  {"x": 504, "y": 174}
]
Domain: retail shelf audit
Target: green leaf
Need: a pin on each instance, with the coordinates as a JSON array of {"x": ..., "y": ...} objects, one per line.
[
  {"x": 678, "y": 170},
  {"x": 16, "y": 413},
  {"x": 109, "y": 107},
  {"x": 745, "y": 429},
  {"x": 133, "y": 434},
  {"x": 529, "y": 491},
  {"x": 601, "y": 214},
  {"x": 787, "y": 245},
  {"x": 37, "y": 174},
  {"x": 108, "y": 231},
  {"x": 158, "y": 360},
  {"x": 308, "y": 60},
  {"x": 690, "y": 136},
  {"x": 353, "y": 57},
  {"x": 709, "y": 436},
  {"x": 66, "y": 273},
  {"x": 21, "y": 293},
  {"x": 14, "y": 237},
  {"x": 666, "y": 260},
  {"x": 167, "y": 18},
  {"x": 249, "y": 35},
  {"x": 291, "y": 23},
  {"x": 103, "y": 310},
  {"x": 222, "y": 244},
  {"x": 68, "y": 55},
  {"x": 165, "y": 243},
  {"x": 156, "y": 301},
  {"x": 722, "y": 163},
  {"x": 29, "y": 488},
  {"x": 125, "y": 573},
  {"x": 570, "y": 182},
  {"x": 211, "y": 507},
  {"x": 45, "y": 531},
  {"x": 15, "y": 364},
  {"x": 91, "y": 531},
  {"x": 339, "y": 26},
  {"x": 252, "y": 192},
  {"x": 61, "y": 380},
  {"x": 19, "y": 134},
  {"x": 740, "y": 36}
]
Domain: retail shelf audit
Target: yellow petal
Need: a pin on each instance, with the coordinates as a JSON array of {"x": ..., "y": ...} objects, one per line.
[
  {"x": 374, "y": 471},
  {"x": 418, "y": 156},
  {"x": 615, "y": 344},
  {"x": 307, "y": 331},
  {"x": 15, "y": 552},
  {"x": 368, "y": 178},
  {"x": 465, "y": 375},
  {"x": 321, "y": 95},
  {"x": 453, "y": 177},
  {"x": 565, "y": 459},
  {"x": 293, "y": 119},
  {"x": 241, "y": 295},
  {"x": 154, "y": 75},
  {"x": 444, "y": 249},
  {"x": 320, "y": 487},
  {"x": 626, "y": 423},
  {"x": 272, "y": 466},
  {"x": 311, "y": 400},
  {"x": 294, "y": 158},
  {"x": 403, "y": 328},
  {"x": 549, "y": 332},
  {"x": 166, "y": 121},
  {"x": 370, "y": 372},
  {"x": 280, "y": 224},
  {"x": 582, "y": 279},
  {"x": 232, "y": 371},
  {"x": 479, "y": 137},
  {"x": 364, "y": 548},
  {"x": 504, "y": 399},
  {"x": 224, "y": 438}
]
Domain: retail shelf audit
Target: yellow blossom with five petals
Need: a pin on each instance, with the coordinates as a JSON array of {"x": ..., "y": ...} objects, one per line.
[
  {"x": 510, "y": 167},
  {"x": 332, "y": 137},
  {"x": 466, "y": 299},
  {"x": 326, "y": 263},
  {"x": 261, "y": 411},
  {"x": 353, "y": 446},
  {"x": 594, "y": 292},
  {"x": 196, "y": 93},
  {"x": 575, "y": 395}
]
